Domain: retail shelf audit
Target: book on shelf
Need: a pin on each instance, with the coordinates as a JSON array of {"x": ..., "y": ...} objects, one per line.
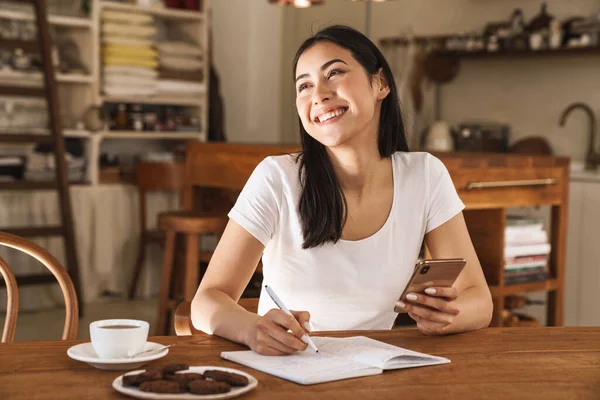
[
  {"x": 516, "y": 222},
  {"x": 535, "y": 275},
  {"x": 526, "y": 237},
  {"x": 516, "y": 263},
  {"x": 537, "y": 249}
]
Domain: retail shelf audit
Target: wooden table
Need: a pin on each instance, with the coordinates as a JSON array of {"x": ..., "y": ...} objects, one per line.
[{"x": 497, "y": 363}]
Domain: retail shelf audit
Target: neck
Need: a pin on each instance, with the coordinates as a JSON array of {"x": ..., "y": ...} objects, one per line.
[{"x": 359, "y": 167}]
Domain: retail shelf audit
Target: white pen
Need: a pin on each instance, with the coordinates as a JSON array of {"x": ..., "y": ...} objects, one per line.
[{"x": 305, "y": 338}]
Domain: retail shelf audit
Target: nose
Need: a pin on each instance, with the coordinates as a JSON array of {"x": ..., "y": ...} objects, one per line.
[{"x": 321, "y": 93}]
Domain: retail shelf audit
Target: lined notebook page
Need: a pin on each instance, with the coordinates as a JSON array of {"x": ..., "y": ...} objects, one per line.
[
  {"x": 375, "y": 353},
  {"x": 305, "y": 367}
]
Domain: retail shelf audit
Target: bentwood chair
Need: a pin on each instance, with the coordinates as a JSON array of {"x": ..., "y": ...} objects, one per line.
[{"x": 59, "y": 272}]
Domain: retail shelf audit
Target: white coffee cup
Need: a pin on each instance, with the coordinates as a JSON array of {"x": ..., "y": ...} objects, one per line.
[{"x": 118, "y": 338}]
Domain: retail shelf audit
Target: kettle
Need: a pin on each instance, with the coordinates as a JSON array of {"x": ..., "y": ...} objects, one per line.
[{"x": 439, "y": 137}]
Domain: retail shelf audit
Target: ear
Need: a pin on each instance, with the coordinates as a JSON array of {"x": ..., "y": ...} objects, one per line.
[{"x": 381, "y": 85}]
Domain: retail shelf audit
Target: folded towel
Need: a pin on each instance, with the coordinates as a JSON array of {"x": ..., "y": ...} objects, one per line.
[
  {"x": 138, "y": 31},
  {"x": 130, "y": 70},
  {"x": 115, "y": 79},
  {"x": 117, "y": 39},
  {"x": 183, "y": 64},
  {"x": 130, "y": 90},
  {"x": 119, "y": 49},
  {"x": 193, "y": 76},
  {"x": 173, "y": 86},
  {"x": 132, "y": 18},
  {"x": 131, "y": 61},
  {"x": 179, "y": 49}
]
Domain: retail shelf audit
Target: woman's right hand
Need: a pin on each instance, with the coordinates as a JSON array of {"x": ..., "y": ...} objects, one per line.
[{"x": 269, "y": 335}]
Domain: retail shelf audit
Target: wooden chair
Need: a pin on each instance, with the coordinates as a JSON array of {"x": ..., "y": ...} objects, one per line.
[
  {"x": 212, "y": 165},
  {"x": 59, "y": 272},
  {"x": 183, "y": 322},
  {"x": 152, "y": 176},
  {"x": 12, "y": 302}
]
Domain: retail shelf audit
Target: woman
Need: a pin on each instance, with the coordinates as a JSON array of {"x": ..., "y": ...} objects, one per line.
[{"x": 339, "y": 226}]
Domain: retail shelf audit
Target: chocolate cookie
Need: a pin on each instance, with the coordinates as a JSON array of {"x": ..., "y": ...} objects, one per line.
[
  {"x": 131, "y": 380},
  {"x": 224, "y": 376},
  {"x": 150, "y": 375},
  {"x": 162, "y": 386},
  {"x": 172, "y": 368},
  {"x": 184, "y": 378},
  {"x": 199, "y": 386}
]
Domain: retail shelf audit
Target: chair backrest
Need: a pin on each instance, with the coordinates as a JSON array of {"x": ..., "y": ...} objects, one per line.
[
  {"x": 150, "y": 175},
  {"x": 59, "y": 272},
  {"x": 153, "y": 176},
  {"x": 224, "y": 165},
  {"x": 12, "y": 302}
]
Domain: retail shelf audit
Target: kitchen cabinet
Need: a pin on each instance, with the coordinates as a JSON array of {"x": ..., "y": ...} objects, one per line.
[{"x": 582, "y": 286}]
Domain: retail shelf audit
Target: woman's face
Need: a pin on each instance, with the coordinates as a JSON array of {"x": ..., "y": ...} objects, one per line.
[{"x": 334, "y": 97}]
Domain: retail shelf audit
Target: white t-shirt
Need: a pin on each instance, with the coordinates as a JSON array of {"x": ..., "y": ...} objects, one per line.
[{"x": 350, "y": 284}]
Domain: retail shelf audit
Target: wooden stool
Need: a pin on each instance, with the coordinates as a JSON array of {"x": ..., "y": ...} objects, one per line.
[
  {"x": 191, "y": 224},
  {"x": 208, "y": 165},
  {"x": 152, "y": 176}
]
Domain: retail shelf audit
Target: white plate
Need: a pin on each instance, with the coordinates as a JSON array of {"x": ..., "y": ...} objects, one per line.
[
  {"x": 85, "y": 352},
  {"x": 234, "y": 392}
]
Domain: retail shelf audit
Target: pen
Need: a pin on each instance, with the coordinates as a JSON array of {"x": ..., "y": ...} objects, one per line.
[{"x": 305, "y": 338}]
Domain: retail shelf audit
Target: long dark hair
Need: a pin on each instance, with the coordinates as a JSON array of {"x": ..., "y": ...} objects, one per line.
[{"x": 322, "y": 207}]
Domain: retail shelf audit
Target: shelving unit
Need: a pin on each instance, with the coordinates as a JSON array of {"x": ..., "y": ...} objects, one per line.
[
  {"x": 513, "y": 180},
  {"x": 78, "y": 93},
  {"x": 161, "y": 100},
  {"x": 54, "y": 20},
  {"x": 150, "y": 135},
  {"x": 160, "y": 12}
]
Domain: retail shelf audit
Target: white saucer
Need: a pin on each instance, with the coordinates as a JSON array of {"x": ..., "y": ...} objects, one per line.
[
  {"x": 85, "y": 352},
  {"x": 234, "y": 392}
]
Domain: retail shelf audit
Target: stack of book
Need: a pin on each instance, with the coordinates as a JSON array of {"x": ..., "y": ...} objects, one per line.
[{"x": 526, "y": 250}]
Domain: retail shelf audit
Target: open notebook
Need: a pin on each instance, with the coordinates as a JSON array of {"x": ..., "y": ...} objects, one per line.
[{"x": 338, "y": 358}]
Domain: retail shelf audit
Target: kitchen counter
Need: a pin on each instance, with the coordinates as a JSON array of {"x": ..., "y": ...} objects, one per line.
[{"x": 585, "y": 176}]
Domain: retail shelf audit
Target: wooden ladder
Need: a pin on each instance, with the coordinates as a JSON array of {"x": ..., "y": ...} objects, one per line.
[{"x": 56, "y": 139}]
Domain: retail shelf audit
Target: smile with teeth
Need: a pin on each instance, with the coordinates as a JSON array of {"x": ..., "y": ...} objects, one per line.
[{"x": 327, "y": 116}]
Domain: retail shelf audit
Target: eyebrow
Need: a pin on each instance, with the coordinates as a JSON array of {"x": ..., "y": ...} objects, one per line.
[{"x": 323, "y": 67}]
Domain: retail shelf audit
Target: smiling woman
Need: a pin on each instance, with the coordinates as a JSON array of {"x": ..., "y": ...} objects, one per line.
[{"x": 340, "y": 225}]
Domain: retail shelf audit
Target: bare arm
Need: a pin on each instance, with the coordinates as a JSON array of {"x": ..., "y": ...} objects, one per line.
[
  {"x": 468, "y": 304},
  {"x": 215, "y": 310}
]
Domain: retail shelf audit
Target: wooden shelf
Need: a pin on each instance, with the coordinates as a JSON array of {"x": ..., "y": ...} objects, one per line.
[
  {"x": 12, "y": 44},
  {"x": 518, "y": 288},
  {"x": 55, "y": 20},
  {"x": 159, "y": 12},
  {"x": 11, "y": 134},
  {"x": 15, "y": 78},
  {"x": 21, "y": 91},
  {"x": 595, "y": 50},
  {"x": 151, "y": 135},
  {"x": 74, "y": 133},
  {"x": 27, "y": 185},
  {"x": 25, "y": 138},
  {"x": 163, "y": 100}
]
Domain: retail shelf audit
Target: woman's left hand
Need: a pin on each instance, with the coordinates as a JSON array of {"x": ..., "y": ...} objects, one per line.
[{"x": 433, "y": 310}]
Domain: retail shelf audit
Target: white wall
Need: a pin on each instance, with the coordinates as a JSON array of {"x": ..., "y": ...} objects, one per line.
[
  {"x": 247, "y": 38},
  {"x": 529, "y": 94}
]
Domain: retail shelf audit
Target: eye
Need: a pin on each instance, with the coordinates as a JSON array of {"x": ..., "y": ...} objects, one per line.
[
  {"x": 302, "y": 87},
  {"x": 334, "y": 72}
]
